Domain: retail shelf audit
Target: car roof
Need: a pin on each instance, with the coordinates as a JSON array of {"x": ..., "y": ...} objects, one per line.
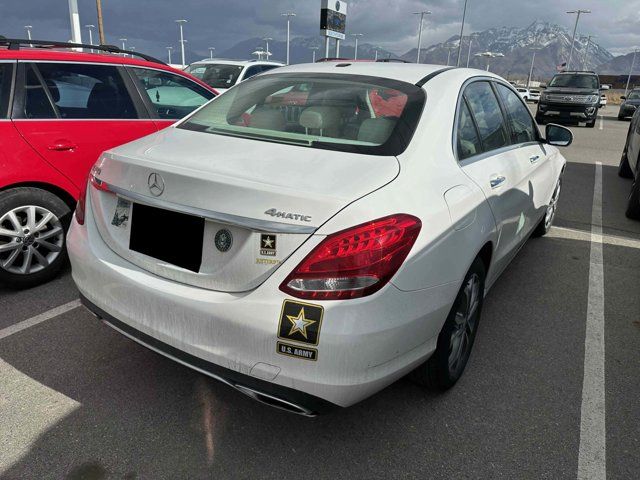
[
  {"x": 65, "y": 55},
  {"x": 406, "y": 72},
  {"x": 226, "y": 61}
]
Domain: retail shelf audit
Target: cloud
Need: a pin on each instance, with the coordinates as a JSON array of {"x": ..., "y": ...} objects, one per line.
[{"x": 149, "y": 25}]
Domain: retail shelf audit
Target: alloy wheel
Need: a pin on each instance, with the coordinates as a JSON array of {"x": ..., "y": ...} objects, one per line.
[
  {"x": 465, "y": 324},
  {"x": 552, "y": 207},
  {"x": 31, "y": 238}
]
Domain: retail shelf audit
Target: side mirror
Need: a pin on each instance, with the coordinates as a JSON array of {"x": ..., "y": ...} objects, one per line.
[
  {"x": 558, "y": 135},
  {"x": 623, "y": 97}
]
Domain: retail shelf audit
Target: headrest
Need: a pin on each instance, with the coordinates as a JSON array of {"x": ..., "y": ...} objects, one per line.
[
  {"x": 376, "y": 130},
  {"x": 268, "y": 119},
  {"x": 320, "y": 117}
]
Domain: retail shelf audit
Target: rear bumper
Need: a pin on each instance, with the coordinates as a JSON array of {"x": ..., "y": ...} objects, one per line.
[
  {"x": 579, "y": 112},
  {"x": 266, "y": 392},
  {"x": 364, "y": 344}
]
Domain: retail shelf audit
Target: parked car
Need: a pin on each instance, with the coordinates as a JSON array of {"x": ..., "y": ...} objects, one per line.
[
  {"x": 630, "y": 166},
  {"x": 59, "y": 110},
  {"x": 223, "y": 74},
  {"x": 534, "y": 95},
  {"x": 629, "y": 104},
  {"x": 310, "y": 260},
  {"x": 524, "y": 93},
  {"x": 603, "y": 100},
  {"x": 571, "y": 96}
]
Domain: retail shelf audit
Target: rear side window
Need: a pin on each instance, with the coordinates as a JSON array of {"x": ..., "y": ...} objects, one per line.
[
  {"x": 486, "y": 111},
  {"x": 6, "y": 74},
  {"x": 172, "y": 96},
  {"x": 252, "y": 71},
  {"x": 520, "y": 121},
  {"x": 468, "y": 140},
  {"x": 76, "y": 91}
]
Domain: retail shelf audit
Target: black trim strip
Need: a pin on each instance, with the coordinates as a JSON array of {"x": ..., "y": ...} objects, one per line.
[
  {"x": 311, "y": 402},
  {"x": 433, "y": 74}
]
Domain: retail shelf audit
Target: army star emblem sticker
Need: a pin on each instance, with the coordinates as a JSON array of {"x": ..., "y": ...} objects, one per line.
[{"x": 299, "y": 323}]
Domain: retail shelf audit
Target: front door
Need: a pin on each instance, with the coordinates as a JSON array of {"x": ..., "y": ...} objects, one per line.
[{"x": 71, "y": 113}]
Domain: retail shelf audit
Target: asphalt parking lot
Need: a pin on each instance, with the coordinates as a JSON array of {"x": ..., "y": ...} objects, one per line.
[{"x": 80, "y": 401}]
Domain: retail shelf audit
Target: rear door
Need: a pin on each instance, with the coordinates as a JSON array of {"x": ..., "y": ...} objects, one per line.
[
  {"x": 71, "y": 112},
  {"x": 487, "y": 156},
  {"x": 168, "y": 96}
]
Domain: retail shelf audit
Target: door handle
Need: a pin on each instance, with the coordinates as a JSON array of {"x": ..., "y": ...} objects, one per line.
[
  {"x": 496, "y": 181},
  {"x": 62, "y": 146},
  {"x": 534, "y": 159}
]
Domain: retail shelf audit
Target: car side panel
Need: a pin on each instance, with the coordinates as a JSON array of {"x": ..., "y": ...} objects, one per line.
[
  {"x": 633, "y": 150},
  {"x": 19, "y": 163}
]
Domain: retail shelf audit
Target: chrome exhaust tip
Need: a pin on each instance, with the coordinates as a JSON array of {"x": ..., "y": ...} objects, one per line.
[{"x": 275, "y": 402}]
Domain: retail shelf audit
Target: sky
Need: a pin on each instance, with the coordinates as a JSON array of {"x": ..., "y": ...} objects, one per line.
[{"x": 149, "y": 25}]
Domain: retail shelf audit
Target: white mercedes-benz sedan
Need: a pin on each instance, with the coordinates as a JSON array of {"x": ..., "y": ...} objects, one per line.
[{"x": 320, "y": 230}]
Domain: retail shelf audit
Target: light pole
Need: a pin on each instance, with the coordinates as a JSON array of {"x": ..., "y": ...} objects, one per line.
[
  {"x": 288, "y": 15},
  {"x": 180, "y": 24},
  {"x": 471, "y": 37},
  {"x": 586, "y": 52},
  {"x": 74, "y": 16},
  {"x": 28, "y": 29},
  {"x": 422, "y": 14},
  {"x": 633, "y": 63},
  {"x": 169, "y": 52},
  {"x": 267, "y": 40},
  {"x": 124, "y": 41},
  {"x": 90, "y": 28},
  {"x": 376, "y": 54},
  {"x": 356, "y": 35},
  {"x": 575, "y": 28},
  {"x": 533, "y": 59},
  {"x": 313, "y": 49},
  {"x": 464, "y": 14},
  {"x": 489, "y": 56},
  {"x": 211, "y": 49},
  {"x": 449, "y": 48}
]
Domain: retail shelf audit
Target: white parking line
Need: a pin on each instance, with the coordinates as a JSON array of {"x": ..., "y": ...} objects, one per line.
[
  {"x": 601, "y": 122},
  {"x": 30, "y": 322},
  {"x": 592, "y": 459}
]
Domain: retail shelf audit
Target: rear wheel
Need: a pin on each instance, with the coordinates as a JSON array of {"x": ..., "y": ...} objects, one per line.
[
  {"x": 458, "y": 333},
  {"x": 633, "y": 205},
  {"x": 624, "y": 170},
  {"x": 33, "y": 223}
]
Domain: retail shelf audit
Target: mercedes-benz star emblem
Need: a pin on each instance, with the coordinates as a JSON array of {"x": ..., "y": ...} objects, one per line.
[{"x": 156, "y": 184}]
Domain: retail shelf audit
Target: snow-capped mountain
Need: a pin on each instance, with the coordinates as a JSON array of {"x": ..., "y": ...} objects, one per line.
[
  {"x": 620, "y": 65},
  {"x": 516, "y": 44}
]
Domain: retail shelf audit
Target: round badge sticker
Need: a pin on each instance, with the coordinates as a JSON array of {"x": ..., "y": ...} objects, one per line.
[{"x": 223, "y": 240}]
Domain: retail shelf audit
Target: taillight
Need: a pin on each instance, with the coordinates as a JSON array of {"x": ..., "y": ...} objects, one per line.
[
  {"x": 355, "y": 262},
  {"x": 80, "y": 207},
  {"x": 82, "y": 199}
]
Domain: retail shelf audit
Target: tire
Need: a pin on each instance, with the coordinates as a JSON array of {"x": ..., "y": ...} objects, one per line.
[
  {"x": 591, "y": 124},
  {"x": 633, "y": 204},
  {"x": 624, "y": 170},
  {"x": 621, "y": 117},
  {"x": 539, "y": 120},
  {"x": 437, "y": 373},
  {"x": 33, "y": 225},
  {"x": 550, "y": 214}
]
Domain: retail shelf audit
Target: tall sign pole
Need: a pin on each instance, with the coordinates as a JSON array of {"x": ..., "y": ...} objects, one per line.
[
  {"x": 74, "y": 16},
  {"x": 333, "y": 22},
  {"x": 100, "y": 24}
]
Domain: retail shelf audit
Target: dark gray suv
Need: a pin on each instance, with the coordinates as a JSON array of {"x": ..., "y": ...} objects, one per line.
[
  {"x": 629, "y": 105},
  {"x": 571, "y": 97}
]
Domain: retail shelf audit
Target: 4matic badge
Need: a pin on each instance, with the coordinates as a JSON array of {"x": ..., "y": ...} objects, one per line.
[{"x": 290, "y": 216}]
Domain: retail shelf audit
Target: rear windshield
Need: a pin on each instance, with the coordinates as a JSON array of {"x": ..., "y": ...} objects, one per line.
[
  {"x": 217, "y": 75},
  {"x": 634, "y": 96},
  {"x": 575, "y": 81},
  {"x": 349, "y": 113}
]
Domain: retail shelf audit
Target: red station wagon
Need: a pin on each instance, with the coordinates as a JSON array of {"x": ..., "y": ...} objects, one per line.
[{"x": 59, "y": 109}]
